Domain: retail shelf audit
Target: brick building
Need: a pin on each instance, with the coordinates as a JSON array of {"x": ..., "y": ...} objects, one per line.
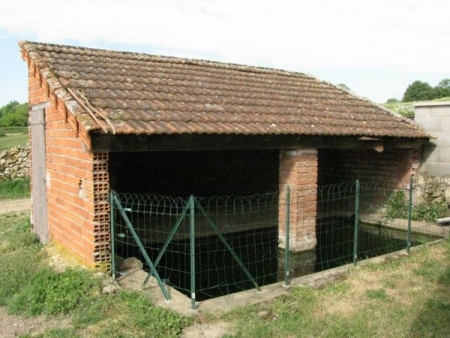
[{"x": 142, "y": 123}]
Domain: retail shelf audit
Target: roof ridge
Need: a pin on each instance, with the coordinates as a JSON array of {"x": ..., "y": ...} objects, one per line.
[{"x": 170, "y": 59}]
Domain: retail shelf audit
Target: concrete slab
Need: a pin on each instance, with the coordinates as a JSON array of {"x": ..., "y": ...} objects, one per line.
[{"x": 182, "y": 304}]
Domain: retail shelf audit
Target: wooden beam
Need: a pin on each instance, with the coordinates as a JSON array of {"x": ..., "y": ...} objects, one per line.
[{"x": 194, "y": 142}]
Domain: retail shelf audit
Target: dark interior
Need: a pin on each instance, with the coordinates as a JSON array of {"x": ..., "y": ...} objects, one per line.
[
  {"x": 331, "y": 163},
  {"x": 200, "y": 173}
]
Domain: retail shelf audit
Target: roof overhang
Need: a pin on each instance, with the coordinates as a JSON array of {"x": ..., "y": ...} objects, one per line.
[{"x": 204, "y": 142}]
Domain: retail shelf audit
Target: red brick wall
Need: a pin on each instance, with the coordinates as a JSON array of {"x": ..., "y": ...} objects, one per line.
[
  {"x": 77, "y": 182},
  {"x": 395, "y": 165},
  {"x": 298, "y": 170}
]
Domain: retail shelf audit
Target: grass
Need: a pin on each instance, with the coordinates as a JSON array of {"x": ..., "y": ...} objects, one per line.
[
  {"x": 19, "y": 188},
  {"x": 29, "y": 287},
  {"x": 12, "y": 137},
  {"x": 407, "y": 296}
]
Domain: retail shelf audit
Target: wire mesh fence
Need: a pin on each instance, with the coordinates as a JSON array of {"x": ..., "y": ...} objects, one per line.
[
  {"x": 203, "y": 247},
  {"x": 353, "y": 221},
  {"x": 209, "y": 247}
]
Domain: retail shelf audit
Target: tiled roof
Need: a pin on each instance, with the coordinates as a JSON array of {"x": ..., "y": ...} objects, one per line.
[{"x": 130, "y": 93}]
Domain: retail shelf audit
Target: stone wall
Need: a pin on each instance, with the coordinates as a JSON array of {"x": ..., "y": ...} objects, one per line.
[
  {"x": 14, "y": 163},
  {"x": 431, "y": 189}
]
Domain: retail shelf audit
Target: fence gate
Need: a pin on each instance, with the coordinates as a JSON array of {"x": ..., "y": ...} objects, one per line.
[{"x": 203, "y": 247}]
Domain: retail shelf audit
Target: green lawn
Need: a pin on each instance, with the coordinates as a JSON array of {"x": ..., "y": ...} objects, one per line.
[
  {"x": 404, "y": 297},
  {"x": 11, "y": 140},
  {"x": 408, "y": 296},
  {"x": 19, "y": 188}
]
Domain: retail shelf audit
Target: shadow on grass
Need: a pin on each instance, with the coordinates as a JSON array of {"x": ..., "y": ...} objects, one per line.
[{"x": 434, "y": 319}]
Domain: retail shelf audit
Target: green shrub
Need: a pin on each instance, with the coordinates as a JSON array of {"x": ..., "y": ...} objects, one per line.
[
  {"x": 430, "y": 212},
  {"x": 397, "y": 206}
]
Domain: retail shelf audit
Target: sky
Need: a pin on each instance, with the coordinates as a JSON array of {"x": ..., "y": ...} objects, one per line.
[{"x": 375, "y": 47}]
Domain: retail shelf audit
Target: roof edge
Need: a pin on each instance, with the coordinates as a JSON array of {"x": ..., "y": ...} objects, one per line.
[
  {"x": 60, "y": 92},
  {"x": 431, "y": 103}
]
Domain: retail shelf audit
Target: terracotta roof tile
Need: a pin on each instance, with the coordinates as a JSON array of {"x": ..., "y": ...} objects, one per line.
[{"x": 147, "y": 94}]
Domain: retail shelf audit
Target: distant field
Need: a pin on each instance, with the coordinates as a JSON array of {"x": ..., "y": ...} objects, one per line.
[
  {"x": 13, "y": 136},
  {"x": 407, "y": 108}
]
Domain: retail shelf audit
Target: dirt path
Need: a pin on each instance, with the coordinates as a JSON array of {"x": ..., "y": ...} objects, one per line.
[
  {"x": 14, "y": 205},
  {"x": 13, "y": 326}
]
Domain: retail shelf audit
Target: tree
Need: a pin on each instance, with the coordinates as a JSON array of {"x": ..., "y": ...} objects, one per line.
[
  {"x": 442, "y": 89},
  {"x": 418, "y": 91},
  {"x": 392, "y": 100},
  {"x": 14, "y": 114},
  {"x": 445, "y": 83}
]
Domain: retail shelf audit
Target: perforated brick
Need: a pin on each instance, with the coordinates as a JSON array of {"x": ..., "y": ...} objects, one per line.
[
  {"x": 100, "y": 166},
  {"x": 101, "y": 186},
  {"x": 102, "y": 207},
  {"x": 101, "y": 196},
  {"x": 102, "y": 247},
  {"x": 101, "y": 177},
  {"x": 101, "y": 156},
  {"x": 100, "y": 218},
  {"x": 102, "y": 237}
]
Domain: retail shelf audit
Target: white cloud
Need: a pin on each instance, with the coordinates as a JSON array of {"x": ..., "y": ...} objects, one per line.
[
  {"x": 306, "y": 35},
  {"x": 411, "y": 35}
]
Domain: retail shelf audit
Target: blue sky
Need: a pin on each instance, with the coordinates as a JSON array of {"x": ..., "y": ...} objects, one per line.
[{"x": 376, "y": 47}]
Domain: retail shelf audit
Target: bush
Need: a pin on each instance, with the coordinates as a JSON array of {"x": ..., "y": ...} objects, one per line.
[
  {"x": 429, "y": 212},
  {"x": 397, "y": 205}
]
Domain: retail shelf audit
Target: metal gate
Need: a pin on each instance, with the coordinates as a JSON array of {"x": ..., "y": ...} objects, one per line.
[{"x": 200, "y": 246}]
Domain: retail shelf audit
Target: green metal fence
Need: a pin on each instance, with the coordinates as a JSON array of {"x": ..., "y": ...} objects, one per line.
[
  {"x": 203, "y": 247},
  {"x": 354, "y": 221},
  {"x": 208, "y": 247}
]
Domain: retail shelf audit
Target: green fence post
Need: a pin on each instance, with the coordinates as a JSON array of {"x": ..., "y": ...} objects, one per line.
[
  {"x": 192, "y": 246},
  {"x": 408, "y": 234},
  {"x": 355, "y": 241},
  {"x": 287, "y": 236},
  {"x": 113, "y": 235},
  {"x": 140, "y": 246}
]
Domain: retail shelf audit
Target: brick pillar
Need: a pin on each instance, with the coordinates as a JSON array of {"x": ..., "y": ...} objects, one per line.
[
  {"x": 408, "y": 162},
  {"x": 298, "y": 170},
  {"x": 102, "y": 231}
]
